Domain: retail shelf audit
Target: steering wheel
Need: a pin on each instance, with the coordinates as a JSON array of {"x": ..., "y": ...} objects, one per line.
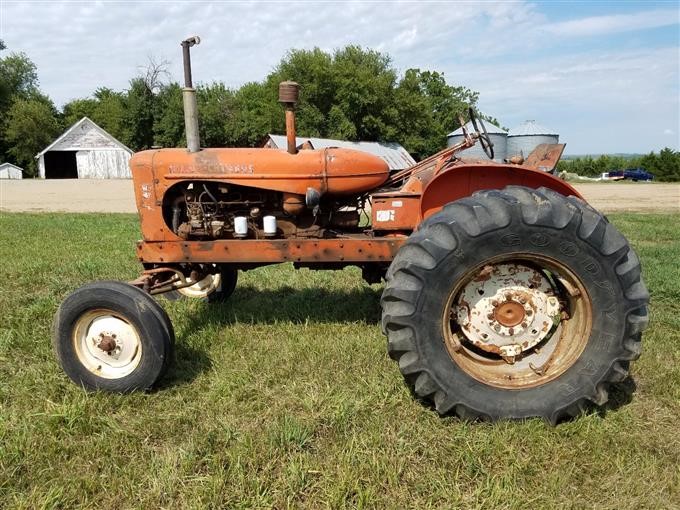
[{"x": 481, "y": 135}]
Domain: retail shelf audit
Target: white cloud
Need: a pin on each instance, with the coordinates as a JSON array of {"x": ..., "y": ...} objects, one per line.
[
  {"x": 599, "y": 101},
  {"x": 604, "y": 25},
  {"x": 508, "y": 51}
]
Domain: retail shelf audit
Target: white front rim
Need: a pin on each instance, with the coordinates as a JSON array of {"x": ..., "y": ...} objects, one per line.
[
  {"x": 106, "y": 344},
  {"x": 202, "y": 288}
]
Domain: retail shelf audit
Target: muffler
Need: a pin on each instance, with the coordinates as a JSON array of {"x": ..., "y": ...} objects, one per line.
[
  {"x": 288, "y": 96},
  {"x": 189, "y": 98}
]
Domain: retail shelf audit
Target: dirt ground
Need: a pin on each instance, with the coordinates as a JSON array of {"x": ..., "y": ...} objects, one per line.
[{"x": 116, "y": 195}]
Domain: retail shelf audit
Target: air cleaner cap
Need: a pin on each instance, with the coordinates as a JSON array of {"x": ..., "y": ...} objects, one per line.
[{"x": 288, "y": 92}]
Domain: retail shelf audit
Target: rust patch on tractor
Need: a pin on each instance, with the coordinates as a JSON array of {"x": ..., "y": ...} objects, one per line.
[{"x": 484, "y": 274}]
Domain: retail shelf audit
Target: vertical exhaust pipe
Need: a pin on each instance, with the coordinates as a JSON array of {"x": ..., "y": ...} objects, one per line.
[
  {"x": 288, "y": 96},
  {"x": 189, "y": 98}
]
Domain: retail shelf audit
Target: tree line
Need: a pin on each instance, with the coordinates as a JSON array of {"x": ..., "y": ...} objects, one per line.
[
  {"x": 665, "y": 165},
  {"x": 352, "y": 94}
]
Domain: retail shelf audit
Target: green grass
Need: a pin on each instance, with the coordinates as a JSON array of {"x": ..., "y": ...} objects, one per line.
[{"x": 285, "y": 397}]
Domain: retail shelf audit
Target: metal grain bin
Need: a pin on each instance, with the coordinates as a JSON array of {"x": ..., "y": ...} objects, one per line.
[
  {"x": 497, "y": 135},
  {"x": 524, "y": 138}
]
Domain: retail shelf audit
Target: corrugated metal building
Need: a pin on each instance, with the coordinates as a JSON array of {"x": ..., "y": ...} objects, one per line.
[
  {"x": 394, "y": 154},
  {"x": 497, "y": 135},
  {"x": 10, "y": 171},
  {"x": 85, "y": 151},
  {"x": 523, "y": 139}
]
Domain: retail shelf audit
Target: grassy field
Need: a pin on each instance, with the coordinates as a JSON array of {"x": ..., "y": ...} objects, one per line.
[{"x": 285, "y": 397}]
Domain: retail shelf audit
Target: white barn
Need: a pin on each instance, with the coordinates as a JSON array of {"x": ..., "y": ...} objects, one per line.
[
  {"x": 10, "y": 171},
  {"x": 85, "y": 151}
]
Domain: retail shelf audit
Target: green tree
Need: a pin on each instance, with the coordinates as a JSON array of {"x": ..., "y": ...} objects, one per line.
[
  {"x": 138, "y": 118},
  {"x": 256, "y": 113},
  {"x": 110, "y": 112},
  {"x": 364, "y": 82},
  {"x": 76, "y": 109},
  {"x": 665, "y": 166},
  {"x": 106, "y": 108},
  {"x": 168, "y": 126},
  {"x": 216, "y": 110},
  {"x": 31, "y": 126},
  {"x": 428, "y": 109},
  {"x": 355, "y": 94},
  {"x": 669, "y": 165},
  {"x": 18, "y": 80}
]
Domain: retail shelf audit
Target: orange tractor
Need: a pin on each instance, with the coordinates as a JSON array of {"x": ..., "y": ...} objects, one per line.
[{"x": 506, "y": 295}]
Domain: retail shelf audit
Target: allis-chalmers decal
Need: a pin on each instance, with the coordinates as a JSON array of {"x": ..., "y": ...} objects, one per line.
[{"x": 219, "y": 168}]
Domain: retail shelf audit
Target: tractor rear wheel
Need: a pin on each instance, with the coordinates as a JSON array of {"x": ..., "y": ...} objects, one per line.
[
  {"x": 514, "y": 304},
  {"x": 112, "y": 336}
]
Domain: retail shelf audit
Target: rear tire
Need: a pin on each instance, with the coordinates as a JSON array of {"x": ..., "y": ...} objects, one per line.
[
  {"x": 527, "y": 232},
  {"x": 112, "y": 336}
]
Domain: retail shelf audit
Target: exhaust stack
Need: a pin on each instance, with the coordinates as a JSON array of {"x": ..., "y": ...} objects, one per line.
[
  {"x": 189, "y": 98},
  {"x": 288, "y": 96}
]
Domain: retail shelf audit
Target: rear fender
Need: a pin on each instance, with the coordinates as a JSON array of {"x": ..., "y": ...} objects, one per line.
[{"x": 463, "y": 181}]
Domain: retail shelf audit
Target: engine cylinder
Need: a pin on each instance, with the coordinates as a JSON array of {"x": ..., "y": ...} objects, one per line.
[{"x": 293, "y": 203}]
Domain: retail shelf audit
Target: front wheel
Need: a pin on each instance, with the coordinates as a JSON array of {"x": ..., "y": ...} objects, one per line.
[
  {"x": 112, "y": 336},
  {"x": 513, "y": 304}
]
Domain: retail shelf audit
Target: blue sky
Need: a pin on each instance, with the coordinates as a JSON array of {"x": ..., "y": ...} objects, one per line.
[{"x": 605, "y": 75}]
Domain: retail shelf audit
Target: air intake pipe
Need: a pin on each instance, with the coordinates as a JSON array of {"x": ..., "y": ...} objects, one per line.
[
  {"x": 189, "y": 98},
  {"x": 288, "y": 96}
]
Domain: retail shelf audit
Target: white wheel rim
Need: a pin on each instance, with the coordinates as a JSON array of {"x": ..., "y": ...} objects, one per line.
[
  {"x": 202, "y": 288},
  {"x": 106, "y": 344},
  {"x": 526, "y": 356},
  {"x": 508, "y": 309}
]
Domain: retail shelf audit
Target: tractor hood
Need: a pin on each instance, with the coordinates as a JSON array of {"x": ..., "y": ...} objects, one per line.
[{"x": 331, "y": 171}]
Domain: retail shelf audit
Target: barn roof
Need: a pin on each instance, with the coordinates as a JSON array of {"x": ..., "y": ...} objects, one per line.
[
  {"x": 81, "y": 123},
  {"x": 10, "y": 165},
  {"x": 392, "y": 153}
]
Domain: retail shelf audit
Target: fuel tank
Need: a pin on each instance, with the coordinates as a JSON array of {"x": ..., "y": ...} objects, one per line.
[{"x": 332, "y": 171}]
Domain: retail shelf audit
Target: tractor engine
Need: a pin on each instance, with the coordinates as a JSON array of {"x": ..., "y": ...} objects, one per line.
[{"x": 208, "y": 210}]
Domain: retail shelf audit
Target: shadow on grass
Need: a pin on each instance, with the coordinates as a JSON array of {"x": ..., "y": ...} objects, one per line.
[
  {"x": 187, "y": 364},
  {"x": 620, "y": 394},
  {"x": 317, "y": 305},
  {"x": 269, "y": 306},
  {"x": 288, "y": 304}
]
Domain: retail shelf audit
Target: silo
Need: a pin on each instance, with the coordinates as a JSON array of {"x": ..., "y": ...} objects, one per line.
[
  {"x": 496, "y": 134},
  {"x": 524, "y": 138}
]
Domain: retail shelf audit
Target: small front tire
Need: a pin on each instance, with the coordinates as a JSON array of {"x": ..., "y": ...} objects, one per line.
[{"x": 112, "y": 336}]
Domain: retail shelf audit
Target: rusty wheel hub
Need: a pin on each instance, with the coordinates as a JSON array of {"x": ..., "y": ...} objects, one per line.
[
  {"x": 509, "y": 313},
  {"x": 107, "y": 344},
  {"x": 507, "y": 309}
]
